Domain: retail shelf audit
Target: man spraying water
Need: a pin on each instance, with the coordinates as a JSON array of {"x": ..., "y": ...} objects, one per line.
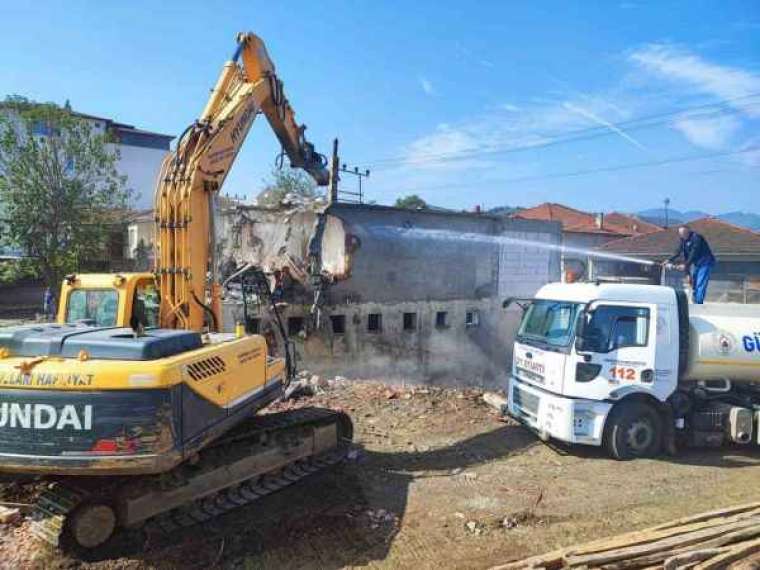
[{"x": 698, "y": 261}]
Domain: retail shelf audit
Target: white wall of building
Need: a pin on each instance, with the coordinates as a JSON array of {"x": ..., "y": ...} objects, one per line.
[{"x": 141, "y": 166}]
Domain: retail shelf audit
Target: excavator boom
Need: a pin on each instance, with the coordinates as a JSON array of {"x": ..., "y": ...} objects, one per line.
[{"x": 193, "y": 174}]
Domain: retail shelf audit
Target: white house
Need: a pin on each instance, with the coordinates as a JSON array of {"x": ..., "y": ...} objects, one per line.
[{"x": 140, "y": 155}]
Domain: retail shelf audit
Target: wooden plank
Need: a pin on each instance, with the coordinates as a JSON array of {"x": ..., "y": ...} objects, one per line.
[
  {"x": 732, "y": 537},
  {"x": 653, "y": 534},
  {"x": 708, "y": 515},
  {"x": 735, "y": 554},
  {"x": 648, "y": 561},
  {"x": 694, "y": 556},
  {"x": 721, "y": 519},
  {"x": 667, "y": 544},
  {"x": 718, "y": 544},
  {"x": 550, "y": 560}
]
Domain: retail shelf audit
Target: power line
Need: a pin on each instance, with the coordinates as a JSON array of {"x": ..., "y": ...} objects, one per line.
[
  {"x": 573, "y": 136},
  {"x": 631, "y": 123},
  {"x": 602, "y": 169},
  {"x": 717, "y": 109}
]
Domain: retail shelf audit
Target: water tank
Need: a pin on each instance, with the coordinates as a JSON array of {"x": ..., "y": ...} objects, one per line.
[{"x": 724, "y": 342}]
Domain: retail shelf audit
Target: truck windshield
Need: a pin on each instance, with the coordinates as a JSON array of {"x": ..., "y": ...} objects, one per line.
[
  {"x": 549, "y": 322},
  {"x": 97, "y": 305}
]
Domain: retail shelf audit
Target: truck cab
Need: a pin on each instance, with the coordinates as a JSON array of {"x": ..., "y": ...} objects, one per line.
[{"x": 584, "y": 349}]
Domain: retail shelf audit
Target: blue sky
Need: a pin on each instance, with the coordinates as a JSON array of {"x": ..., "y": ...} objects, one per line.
[{"x": 599, "y": 105}]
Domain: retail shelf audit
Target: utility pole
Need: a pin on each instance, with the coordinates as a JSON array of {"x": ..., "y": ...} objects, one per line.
[
  {"x": 334, "y": 177},
  {"x": 355, "y": 172},
  {"x": 667, "y": 203}
]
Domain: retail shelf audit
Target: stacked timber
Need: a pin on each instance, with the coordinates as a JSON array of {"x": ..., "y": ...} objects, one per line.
[{"x": 728, "y": 538}]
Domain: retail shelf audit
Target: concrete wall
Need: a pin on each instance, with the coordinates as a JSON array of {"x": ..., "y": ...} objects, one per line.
[
  {"x": 472, "y": 348},
  {"x": 266, "y": 237},
  {"x": 412, "y": 255},
  {"x": 389, "y": 262}
]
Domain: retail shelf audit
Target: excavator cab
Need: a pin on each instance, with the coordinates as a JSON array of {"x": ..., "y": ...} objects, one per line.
[{"x": 110, "y": 300}]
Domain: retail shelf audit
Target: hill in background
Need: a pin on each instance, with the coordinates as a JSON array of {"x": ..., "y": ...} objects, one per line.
[{"x": 657, "y": 216}]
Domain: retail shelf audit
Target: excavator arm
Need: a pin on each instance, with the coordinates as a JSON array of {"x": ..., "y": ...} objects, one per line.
[{"x": 193, "y": 174}]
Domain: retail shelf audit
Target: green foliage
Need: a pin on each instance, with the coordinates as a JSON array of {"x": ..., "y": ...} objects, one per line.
[
  {"x": 503, "y": 210},
  {"x": 411, "y": 202},
  {"x": 13, "y": 271},
  {"x": 288, "y": 185},
  {"x": 59, "y": 187}
]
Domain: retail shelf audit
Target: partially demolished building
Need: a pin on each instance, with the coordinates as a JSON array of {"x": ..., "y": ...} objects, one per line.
[{"x": 403, "y": 295}]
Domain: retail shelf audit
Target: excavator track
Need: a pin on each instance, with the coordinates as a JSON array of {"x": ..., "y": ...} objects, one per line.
[{"x": 75, "y": 513}]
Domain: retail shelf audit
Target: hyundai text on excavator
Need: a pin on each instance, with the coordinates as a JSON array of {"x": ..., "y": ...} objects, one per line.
[{"x": 134, "y": 404}]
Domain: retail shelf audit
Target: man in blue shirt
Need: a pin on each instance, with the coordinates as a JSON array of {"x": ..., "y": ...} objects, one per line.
[{"x": 698, "y": 261}]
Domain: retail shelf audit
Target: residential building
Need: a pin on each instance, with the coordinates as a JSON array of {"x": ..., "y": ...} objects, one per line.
[
  {"x": 735, "y": 277},
  {"x": 141, "y": 153},
  {"x": 409, "y": 295},
  {"x": 584, "y": 231}
]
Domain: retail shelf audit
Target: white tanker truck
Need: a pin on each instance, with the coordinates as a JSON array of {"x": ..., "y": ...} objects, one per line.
[{"x": 635, "y": 368}]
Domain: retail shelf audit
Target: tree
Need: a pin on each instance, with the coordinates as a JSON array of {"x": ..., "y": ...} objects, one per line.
[
  {"x": 288, "y": 185},
  {"x": 59, "y": 186},
  {"x": 503, "y": 210},
  {"x": 411, "y": 202}
]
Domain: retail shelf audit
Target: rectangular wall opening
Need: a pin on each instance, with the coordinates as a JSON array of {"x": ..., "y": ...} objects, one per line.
[
  {"x": 338, "y": 323},
  {"x": 374, "y": 322},
  {"x": 410, "y": 321},
  {"x": 472, "y": 318},
  {"x": 295, "y": 325},
  {"x": 441, "y": 320}
]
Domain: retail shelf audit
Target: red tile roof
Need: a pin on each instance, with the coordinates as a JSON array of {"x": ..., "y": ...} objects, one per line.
[
  {"x": 726, "y": 240},
  {"x": 632, "y": 224},
  {"x": 577, "y": 221}
]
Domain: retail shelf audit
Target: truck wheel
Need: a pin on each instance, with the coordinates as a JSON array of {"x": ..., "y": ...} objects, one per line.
[{"x": 633, "y": 431}]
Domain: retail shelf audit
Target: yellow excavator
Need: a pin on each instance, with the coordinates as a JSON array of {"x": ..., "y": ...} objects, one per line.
[{"x": 134, "y": 404}]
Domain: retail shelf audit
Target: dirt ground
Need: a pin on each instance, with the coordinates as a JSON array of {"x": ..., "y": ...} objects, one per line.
[{"x": 440, "y": 481}]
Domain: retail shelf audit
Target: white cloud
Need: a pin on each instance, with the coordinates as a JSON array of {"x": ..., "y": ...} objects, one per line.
[
  {"x": 427, "y": 86},
  {"x": 733, "y": 86},
  {"x": 479, "y": 141},
  {"x": 708, "y": 132},
  {"x": 482, "y": 146},
  {"x": 679, "y": 65},
  {"x": 435, "y": 150}
]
